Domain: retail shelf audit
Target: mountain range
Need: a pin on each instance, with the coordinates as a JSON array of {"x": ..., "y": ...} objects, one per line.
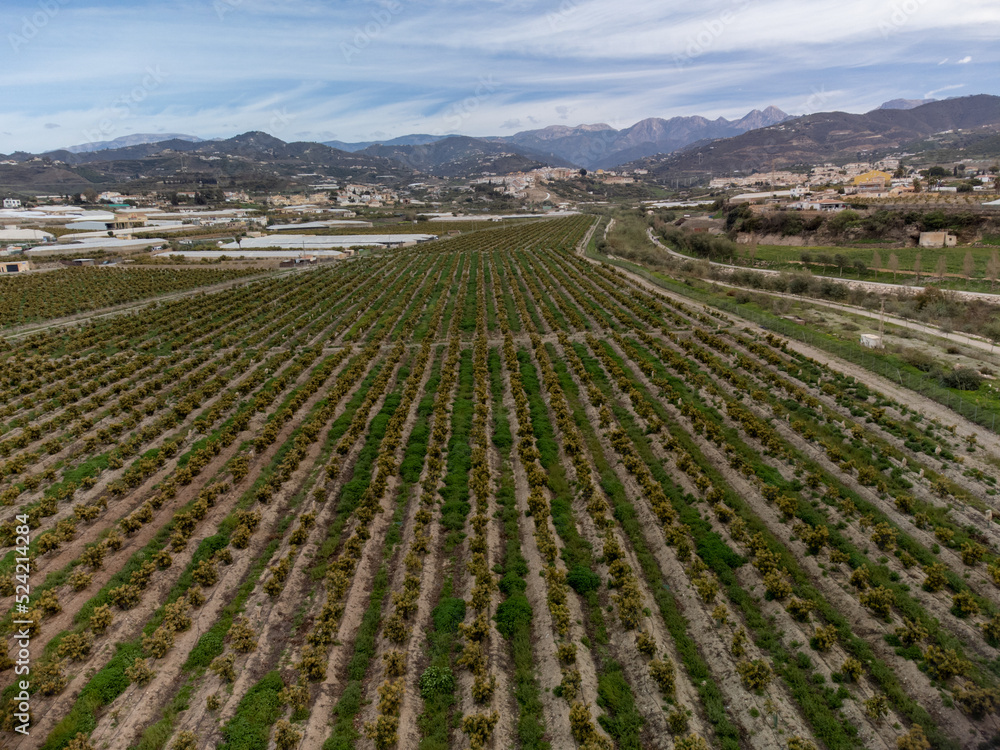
[
  {"x": 260, "y": 161},
  {"x": 688, "y": 148},
  {"x": 254, "y": 160},
  {"x": 595, "y": 146},
  {"x": 838, "y": 137}
]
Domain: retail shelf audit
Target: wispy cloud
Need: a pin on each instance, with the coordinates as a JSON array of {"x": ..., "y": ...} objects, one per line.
[
  {"x": 935, "y": 92},
  {"x": 281, "y": 63}
]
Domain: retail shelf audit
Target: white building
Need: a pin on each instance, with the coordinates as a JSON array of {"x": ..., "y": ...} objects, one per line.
[
  {"x": 871, "y": 341},
  {"x": 11, "y": 203}
]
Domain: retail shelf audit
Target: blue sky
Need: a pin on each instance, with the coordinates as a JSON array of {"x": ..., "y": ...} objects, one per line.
[{"x": 78, "y": 71}]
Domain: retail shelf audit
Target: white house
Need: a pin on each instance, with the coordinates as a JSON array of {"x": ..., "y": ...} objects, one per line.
[{"x": 11, "y": 203}]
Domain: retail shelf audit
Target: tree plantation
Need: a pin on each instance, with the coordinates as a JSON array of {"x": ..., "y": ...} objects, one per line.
[{"x": 480, "y": 493}]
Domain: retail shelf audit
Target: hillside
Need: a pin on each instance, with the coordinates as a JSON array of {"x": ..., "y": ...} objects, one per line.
[
  {"x": 826, "y": 136},
  {"x": 252, "y": 160},
  {"x": 457, "y": 156}
]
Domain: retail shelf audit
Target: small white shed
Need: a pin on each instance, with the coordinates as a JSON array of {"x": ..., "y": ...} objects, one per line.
[{"x": 871, "y": 341}]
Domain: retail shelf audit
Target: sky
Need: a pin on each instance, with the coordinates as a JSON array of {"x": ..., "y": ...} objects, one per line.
[{"x": 84, "y": 71}]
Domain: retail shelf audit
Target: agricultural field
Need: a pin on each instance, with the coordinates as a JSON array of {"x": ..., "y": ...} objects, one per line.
[
  {"x": 483, "y": 493},
  {"x": 40, "y": 296}
]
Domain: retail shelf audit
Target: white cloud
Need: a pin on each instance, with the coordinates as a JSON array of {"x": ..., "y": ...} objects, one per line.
[
  {"x": 964, "y": 60},
  {"x": 935, "y": 92}
]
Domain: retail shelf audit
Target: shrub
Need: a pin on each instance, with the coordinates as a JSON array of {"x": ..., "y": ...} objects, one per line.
[
  {"x": 935, "y": 577},
  {"x": 963, "y": 379},
  {"x": 159, "y": 643},
  {"x": 76, "y": 646},
  {"x": 915, "y": 739},
  {"x": 140, "y": 672},
  {"x": 296, "y": 696},
  {"x": 395, "y": 663},
  {"x": 483, "y": 687},
  {"x": 777, "y": 587},
  {"x": 879, "y": 600},
  {"x": 852, "y": 669},
  {"x": 645, "y": 643},
  {"x": 125, "y": 596},
  {"x": 910, "y": 632},
  {"x": 943, "y": 663},
  {"x": 242, "y": 636},
  {"x": 583, "y": 580},
  {"x": 884, "y": 536},
  {"x": 384, "y": 731},
  {"x": 991, "y": 630},
  {"x": 205, "y": 573},
  {"x": 964, "y": 604},
  {"x": 313, "y": 664},
  {"x": 691, "y": 742},
  {"x": 566, "y": 652},
  {"x": 976, "y": 701},
  {"x": 514, "y": 612},
  {"x": 176, "y": 616},
  {"x": 286, "y": 735},
  {"x": 738, "y": 646},
  {"x": 224, "y": 667},
  {"x": 186, "y": 740},
  {"x": 972, "y": 553},
  {"x": 756, "y": 674},
  {"x": 48, "y": 602},
  {"x": 665, "y": 675},
  {"x": 478, "y": 728},
  {"x": 49, "y": 678},
  {"x": 80, "y": 580},
  {"x": 80, "y": 742},
  {"x": 800, "y": 609},
  {"x": 436, "y": 681},
  {"x": 877, "y": 706},
  {"x": 101, "y": 618},
  {"x": 677, "y": 721},
  {"x": 824, "y": 638}
]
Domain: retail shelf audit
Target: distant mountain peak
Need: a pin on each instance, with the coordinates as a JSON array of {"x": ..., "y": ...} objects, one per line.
[
  {"x": 136, "y": 139},
  {"x": 905, "y": 103}
]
